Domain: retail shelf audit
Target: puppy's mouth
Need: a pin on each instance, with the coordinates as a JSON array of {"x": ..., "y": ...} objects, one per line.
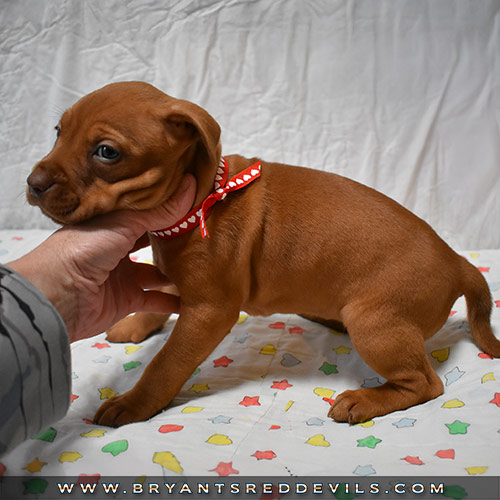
[{"x": 60, "y": 206}]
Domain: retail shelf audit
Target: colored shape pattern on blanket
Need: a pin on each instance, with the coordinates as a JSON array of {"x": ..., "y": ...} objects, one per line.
[{"x": 258, "y": 404}]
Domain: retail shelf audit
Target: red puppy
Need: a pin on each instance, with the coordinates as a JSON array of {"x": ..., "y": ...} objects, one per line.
[{"x": 282, "y": 239}]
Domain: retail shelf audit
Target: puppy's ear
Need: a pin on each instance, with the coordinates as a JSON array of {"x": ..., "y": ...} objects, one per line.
[
  {"x": 179, "y": 130},
  {"x": 193, "y": 130}
]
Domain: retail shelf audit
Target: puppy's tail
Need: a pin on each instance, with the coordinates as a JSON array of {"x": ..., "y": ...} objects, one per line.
[{"x": 479, "y": 303}]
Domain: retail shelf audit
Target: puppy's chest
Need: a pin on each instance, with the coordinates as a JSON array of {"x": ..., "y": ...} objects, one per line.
[
  {"x": 225, "y": 255},
  {"x": 190, "y": 259}
]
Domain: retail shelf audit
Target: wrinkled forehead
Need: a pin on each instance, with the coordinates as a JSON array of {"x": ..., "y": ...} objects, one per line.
[{"x": 123, "y": 107}]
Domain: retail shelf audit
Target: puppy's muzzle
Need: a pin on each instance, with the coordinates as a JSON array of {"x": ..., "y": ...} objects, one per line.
[
  {"x": 39, "y": 182},
  {"x": 48, "y": 189}
]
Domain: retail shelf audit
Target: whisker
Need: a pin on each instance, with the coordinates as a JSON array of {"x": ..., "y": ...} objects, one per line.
[{"x": 56, "y": 112}]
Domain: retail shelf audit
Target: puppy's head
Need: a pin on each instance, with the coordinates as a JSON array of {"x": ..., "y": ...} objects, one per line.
[{"x": 125, "y": 146}]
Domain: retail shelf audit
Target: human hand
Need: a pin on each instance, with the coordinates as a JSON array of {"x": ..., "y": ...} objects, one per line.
[{"x": 86, "y": 273}]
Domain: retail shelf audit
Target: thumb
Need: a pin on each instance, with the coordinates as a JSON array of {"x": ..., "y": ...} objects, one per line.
[{"x": 174, "y": 208}]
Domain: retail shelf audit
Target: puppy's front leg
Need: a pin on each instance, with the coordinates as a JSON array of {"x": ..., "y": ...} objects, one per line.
[{"x": 197, "y": 332}]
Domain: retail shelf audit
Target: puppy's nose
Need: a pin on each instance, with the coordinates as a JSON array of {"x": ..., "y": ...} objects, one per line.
[{"x": 39, "y": 181}]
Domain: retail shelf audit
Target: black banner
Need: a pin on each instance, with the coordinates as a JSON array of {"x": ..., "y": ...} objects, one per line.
[{"x": 263, "y": 488}]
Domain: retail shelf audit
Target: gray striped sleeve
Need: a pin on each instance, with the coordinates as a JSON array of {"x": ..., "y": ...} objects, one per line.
[{"x": 35, "y": 362}]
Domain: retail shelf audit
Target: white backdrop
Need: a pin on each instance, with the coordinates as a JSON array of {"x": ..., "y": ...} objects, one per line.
[{"x": 402, "y": 96}]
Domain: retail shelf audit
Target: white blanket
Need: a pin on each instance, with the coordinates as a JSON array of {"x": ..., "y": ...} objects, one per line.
[{"x": 258, "y": 404}]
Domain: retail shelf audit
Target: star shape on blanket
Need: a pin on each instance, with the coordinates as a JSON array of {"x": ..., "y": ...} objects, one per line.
[
  {"x": 225, "y": 469},
  {"x": 107, "y": 392},
  {"x": 328, "y": 368},
  {"x": 101, "y": 345},
  {"x": 281, "y": 385},
  {"x": 221, "y": 419},
  {"x": 404, "y": 422},
  {"x": 250, "y": 401},
  {"x": 223, "y": 361},
  {"x": 35, "y": 465},
  {"x": 369, "y": 442},
  {"x": 496, "y": 399},
  {"x": 458, "y": 427}
]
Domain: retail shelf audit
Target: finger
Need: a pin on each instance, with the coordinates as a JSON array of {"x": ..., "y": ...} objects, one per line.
[
  {"x": 148, "y": 276},
  {"x": 133, "y": 224},
  {"x": 159, "y": 302},
  {"x": 174, "y": 208}
]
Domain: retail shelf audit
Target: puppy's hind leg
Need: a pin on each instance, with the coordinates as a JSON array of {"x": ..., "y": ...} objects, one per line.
[
  {"x": 139, "y": 326},
  {"x": 136, "y": 327},
  {"x": 395, "y": 351}
]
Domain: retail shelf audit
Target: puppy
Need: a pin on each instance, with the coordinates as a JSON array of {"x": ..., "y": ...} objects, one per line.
[{"x": 263, "y": 238}]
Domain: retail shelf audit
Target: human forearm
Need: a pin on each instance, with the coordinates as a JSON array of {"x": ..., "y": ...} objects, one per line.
[{"x": 35, "y": 362}]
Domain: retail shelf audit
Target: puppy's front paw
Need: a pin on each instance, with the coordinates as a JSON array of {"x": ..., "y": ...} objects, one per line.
[
  {"x": 122, "y": 410},
  {"x": 352, "y": 407}
]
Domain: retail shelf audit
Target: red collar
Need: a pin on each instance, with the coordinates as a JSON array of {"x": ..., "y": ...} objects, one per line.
[{"x": 201, "y": 212}]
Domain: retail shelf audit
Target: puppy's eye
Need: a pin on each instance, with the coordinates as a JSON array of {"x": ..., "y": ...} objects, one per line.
[
  {"x": 106, "y": 153},
  {"x": 58, "y": 130}
]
